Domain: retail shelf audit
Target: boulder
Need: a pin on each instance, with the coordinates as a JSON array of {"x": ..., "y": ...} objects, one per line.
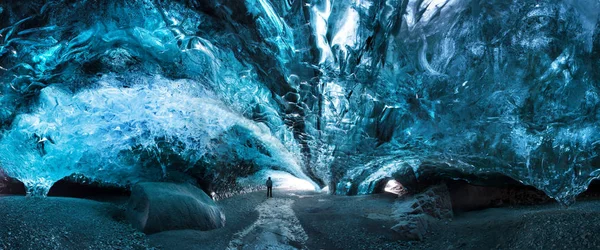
[
  {"x": 10, "y": 186},
  {"x": 415, "y": 214},
  {"x": 414, "y": 227},
  {"x": 158, "y": 206},
  {"x": 435, "y": 201}
]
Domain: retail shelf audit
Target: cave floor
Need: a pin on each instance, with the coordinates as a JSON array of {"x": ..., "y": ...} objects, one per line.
[{"x": 293, "y": 220}]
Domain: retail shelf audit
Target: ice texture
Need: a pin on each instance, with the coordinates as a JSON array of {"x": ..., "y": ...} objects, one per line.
[
  {"x": 340, "y": 93},
  {"x": 120, "y": 135}
]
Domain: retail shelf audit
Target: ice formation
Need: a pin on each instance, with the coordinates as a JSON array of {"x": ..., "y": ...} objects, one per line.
[{"x": 339, "y": 93}]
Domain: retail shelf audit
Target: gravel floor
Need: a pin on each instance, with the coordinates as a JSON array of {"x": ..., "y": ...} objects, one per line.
[
  {"x": 330, "y": 222},
  {"x": 362, "y": 222},
  {"x": 530, "y": 227},
  {"x": 64, "y": 223}
]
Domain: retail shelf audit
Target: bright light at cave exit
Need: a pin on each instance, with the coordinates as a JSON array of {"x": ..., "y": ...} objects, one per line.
[
  {"x": 393, "y": 186},
  {"x": 287, "y": 181}
]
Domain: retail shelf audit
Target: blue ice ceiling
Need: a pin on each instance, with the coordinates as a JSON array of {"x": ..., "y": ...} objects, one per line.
[{"x": 340, "y": 93}]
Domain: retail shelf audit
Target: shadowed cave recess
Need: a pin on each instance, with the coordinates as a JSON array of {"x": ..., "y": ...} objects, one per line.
[{"x": 343, "y": 94}]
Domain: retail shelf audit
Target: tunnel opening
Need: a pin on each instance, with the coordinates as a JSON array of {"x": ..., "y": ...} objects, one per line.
[
  {"x": 394, "y": 187},
  {"x": 83, "y": 188},
  {"x": 477, "y": 191},
  {"x": 389, "y": 186}
]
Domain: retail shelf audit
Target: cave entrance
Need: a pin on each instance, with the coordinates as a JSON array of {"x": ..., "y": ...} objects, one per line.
[{"x": 394, "y": 187}]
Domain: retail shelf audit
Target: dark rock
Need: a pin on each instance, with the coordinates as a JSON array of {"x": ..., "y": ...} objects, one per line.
[
  {"x": 416, "y": 213},
  {"x": 432, "y": 173},
  {"x": 592, "y": 191},
  {"x": 79, "y": 186},
  {"x": 158, "y": 206},
  {"x": 468, "y": 197},
  {"x": 414, "y": 228},
  {"x": 435, "y": 201},
  {"x": 10, "y": 185}
]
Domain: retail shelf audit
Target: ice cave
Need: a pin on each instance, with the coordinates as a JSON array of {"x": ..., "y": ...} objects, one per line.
[{"x": 299, "y": 124}]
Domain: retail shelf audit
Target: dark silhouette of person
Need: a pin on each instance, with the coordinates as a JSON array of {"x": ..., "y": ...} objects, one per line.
[
  {"x": 40, "y": 141},
  {"x": 269, "y": 188}
]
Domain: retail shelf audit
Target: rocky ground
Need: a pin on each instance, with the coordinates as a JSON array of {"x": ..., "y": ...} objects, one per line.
[
  {"x": 297, "y": 220},
  {"x": 547, "y": 226},
  {"x": 65, "y": 223}
]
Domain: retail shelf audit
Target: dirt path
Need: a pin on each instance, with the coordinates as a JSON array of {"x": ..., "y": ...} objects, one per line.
[{"x": 277, "y": 227}]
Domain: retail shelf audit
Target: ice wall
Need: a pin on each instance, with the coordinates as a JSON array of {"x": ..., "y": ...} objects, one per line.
[
  {"x": 123, "y": 135},
  {"x": 485, "y": 87},
  {"x": 126, "y": 91},
  {"x": 343, "y": 93}
]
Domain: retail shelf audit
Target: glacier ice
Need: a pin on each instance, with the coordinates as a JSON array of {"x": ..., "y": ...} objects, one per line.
[
  {"x": 340, "y": 93},
  {"x": 120, "y": 135}
]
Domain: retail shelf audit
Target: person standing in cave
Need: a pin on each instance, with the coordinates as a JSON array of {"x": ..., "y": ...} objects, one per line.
[{"x": 269, "y": 188}]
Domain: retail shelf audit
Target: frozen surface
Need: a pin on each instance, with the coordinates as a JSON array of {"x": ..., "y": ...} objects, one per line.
[
  {"x": 121, "y": 135},
  {"x": 339, "y": 93}
]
